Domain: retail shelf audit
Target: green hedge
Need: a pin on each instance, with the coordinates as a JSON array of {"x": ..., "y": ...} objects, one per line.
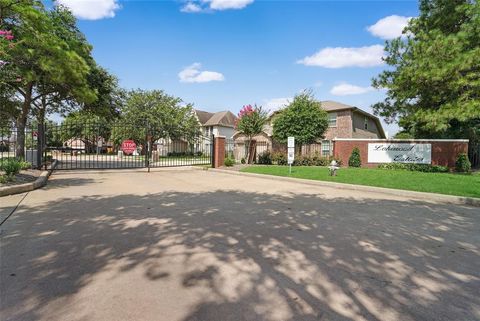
[
  {"x": 354, "y": 160},
  {"x": 279, "y": 158},
  {"x": 229, "y": 162},
  {"x": 11, "y": 166},
  {"x": 426, "y": 168},
  {"x": 463, "y": 164}
]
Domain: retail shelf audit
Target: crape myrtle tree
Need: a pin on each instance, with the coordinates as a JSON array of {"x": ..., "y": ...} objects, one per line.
[
  {"x": 165, "y": 117},
  {"x": 41, "y": 57},
  {"x": 304, "y": 118},
  {"x": 433, "y": 79},
  {"x": 250, "y": 122}
]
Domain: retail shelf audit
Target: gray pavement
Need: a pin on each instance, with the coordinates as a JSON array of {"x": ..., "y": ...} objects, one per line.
[{"x": 201, "y": 245}]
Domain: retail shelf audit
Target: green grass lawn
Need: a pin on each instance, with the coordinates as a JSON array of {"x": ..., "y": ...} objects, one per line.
[{"x": 442, "y": 183}]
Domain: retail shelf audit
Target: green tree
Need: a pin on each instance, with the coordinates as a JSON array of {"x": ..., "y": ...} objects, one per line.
[
  {"x": 110, "y": 97},
  {"x": 304, "y": 118},
  {"x": 354, "y": 160},
  {"x": 250, "y": 122},
  {"x": 88, "y": 127},
  {"x": 44, "y": 57},
  {"x": 165, "y": 116},
  {"x": 433, "y": 79}
]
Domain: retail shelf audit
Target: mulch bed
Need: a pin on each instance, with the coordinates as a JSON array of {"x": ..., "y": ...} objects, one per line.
[{"x": 26, "y": 176}]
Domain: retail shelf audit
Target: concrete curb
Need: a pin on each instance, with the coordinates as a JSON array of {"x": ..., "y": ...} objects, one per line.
[
  {"x": 27, "y": 187},
  {"x": 432, "y": 197}
]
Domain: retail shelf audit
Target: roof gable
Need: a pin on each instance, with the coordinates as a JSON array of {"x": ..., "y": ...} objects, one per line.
[
  {"x": 203, "y": 116},
  {"x": 222, "y": 118}
]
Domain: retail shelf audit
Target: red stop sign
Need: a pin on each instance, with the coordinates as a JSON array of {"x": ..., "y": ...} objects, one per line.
[{"x": 128, "y": 146}]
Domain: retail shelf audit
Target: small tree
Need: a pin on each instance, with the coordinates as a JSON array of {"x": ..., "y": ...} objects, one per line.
[
  {"x": 462, "y": 164},
  {"x": 250, "y": 122},
  {"x": 354, "y": 160},
  {"x": 303, "y": 119}
]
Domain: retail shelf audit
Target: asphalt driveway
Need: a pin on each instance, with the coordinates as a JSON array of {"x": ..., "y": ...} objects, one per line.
[{"x": 202, "y": 245}]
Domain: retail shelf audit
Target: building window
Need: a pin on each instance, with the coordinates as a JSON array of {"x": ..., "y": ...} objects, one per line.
[
  {"x": 332, "y": 120},
  {"x": 365, "y": 126},
  {"x": 326, "y": 148}
]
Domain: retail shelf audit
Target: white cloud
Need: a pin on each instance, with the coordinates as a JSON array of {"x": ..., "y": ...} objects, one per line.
[
  {"x": 228, "y": 4},
  {"x": 193, "y": 74},
  {"x": 191, "y": 7},
  {"x": 91, "y": 9},
  {"x": 276, "y": 103},
  {"x": 346, "y": 89},
  {"x": 339, "y": 57},
  {"x": 195, "y": 6},
  {"x": 389, "y": 27}
]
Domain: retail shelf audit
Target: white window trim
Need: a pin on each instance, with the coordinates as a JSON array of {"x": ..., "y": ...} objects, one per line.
[{"x": 329, "y": 120}]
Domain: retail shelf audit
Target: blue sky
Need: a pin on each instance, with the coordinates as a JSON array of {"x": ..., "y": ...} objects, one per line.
[{"x": 223, "y": 54}]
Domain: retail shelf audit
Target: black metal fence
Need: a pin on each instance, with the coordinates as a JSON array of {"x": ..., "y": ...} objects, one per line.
[
  {"x": 474, "y": 155},
  {"x": 106, "y": 146},
  {"x": 238, "y": 150},
  {"x": 31, "y": 151}
]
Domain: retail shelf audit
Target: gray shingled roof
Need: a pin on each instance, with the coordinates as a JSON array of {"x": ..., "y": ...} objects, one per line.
[
  {"x": 329, "y": 105},
  {"x": 203, "y": 116},
  {"x": 222, "y": 118}
]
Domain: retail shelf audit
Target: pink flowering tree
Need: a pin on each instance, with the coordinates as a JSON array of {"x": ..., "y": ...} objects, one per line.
[
  {"x": 6, "y": 36},
  {"x": 250, "y": 122}
]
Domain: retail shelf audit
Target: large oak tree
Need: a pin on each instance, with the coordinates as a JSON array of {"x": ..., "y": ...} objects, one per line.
[
  {"x": 48, "y": 56},
  {"x": 433, "y": 74}
]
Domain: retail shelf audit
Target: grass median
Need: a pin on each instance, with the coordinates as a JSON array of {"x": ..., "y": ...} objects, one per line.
[{"x": 441, "y": 183}]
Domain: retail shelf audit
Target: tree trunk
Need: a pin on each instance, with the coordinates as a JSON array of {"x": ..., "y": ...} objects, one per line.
[
  {"x": 249, "y": 147},
  {"x": 22, "y": 122}
]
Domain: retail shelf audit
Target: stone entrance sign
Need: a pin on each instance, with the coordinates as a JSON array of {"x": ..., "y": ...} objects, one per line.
[{"x": 400, "y": 153}]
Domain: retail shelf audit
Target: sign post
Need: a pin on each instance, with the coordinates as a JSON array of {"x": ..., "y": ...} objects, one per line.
[{"x": 291, "y": 152}]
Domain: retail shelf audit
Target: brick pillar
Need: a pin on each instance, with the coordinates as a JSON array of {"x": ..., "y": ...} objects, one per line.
[{"x": 219, "y": 152}]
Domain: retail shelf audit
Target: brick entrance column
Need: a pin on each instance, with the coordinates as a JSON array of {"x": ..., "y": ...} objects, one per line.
[{"x": 219, "y": 152}]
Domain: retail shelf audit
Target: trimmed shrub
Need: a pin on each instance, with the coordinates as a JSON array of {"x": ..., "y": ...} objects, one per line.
[
  {"x": 265, "y": 158},
  {"x": 354, "y": 160},
  {"x": 463, "y": 164},
  {"x": 426, "y": 168},
  {"x": 10, "y": 166},
  {"x": 25, "y": 165},
  {"x": 184, "y": 154},
  {"x": 280, "y": 158},
  {"x": 4, "y": 179},
  {"x": 229, "y": 162},
  {"x": 303, "y": 160},
  {"x": 243, "y": 161}
]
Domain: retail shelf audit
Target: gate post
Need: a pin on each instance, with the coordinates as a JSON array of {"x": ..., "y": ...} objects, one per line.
[
  {"x": 212, "y": 150},
  {"x": 147, "y": 146},
  {"x": 218, "y": 152},
  {"x": 40, "y": 145}
]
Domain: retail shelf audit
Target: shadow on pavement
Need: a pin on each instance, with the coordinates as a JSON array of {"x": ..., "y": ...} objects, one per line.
[{"x": 258, "y": 256}]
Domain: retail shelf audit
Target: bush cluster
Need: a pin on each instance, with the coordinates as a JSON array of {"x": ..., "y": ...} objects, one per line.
[
  {"x": 184, "y": 154},
  {"x": 12, "y": 166},
  {"x": 265, "y": 158},
  {"x": 279, "y": 158},
  {"x": 229, "y": 162},
  {"x": 426, "y": 168},
  {"x": 463, "y": 164}
]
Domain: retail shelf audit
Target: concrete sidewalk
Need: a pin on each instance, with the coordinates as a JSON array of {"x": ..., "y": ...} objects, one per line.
[{"x": 202, "y": 245}]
